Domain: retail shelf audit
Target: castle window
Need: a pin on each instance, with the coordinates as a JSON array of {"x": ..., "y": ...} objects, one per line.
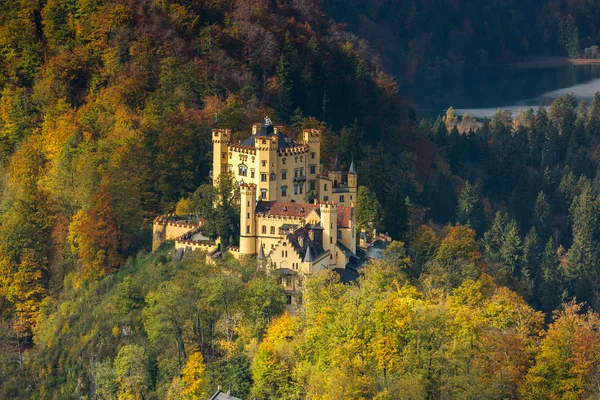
[
  {"x": 284, "y": 175},
  {"x": 301, "y": 158},
  {"x": 312, "y": 185},
  {"x": 341, "y": 198},
  {"x": 243, "y": 170},
  {"x": 247, "y": 229},
  {"x": 283, "y": 191},
  {"x": 224, "y": 155},
  {"x": 230, "y": 155},
  {"x": 295, "y": 189},
  {"x": 325, "y": 187},
  {"x": 264, "y": 229},
  {"x": 301, "y": 187},
  {"x": 339, "y": 234},
  {"x": 313, "y": 169},
  {"x": 263, "y": 193},
  {"x": 296, "y": 159},
  {"x": 325, "y": 198},
  {"x": 248, "y": 215},
  {"x": 330, "y": 240},
  {"x": 295, "y": 173},
  {"x": 313, "y": 155},
  {"x": 273, "y": 176},
  {"x": 272, "y": 230},
  {"x": 263, "y": 177},
  {"x": 230, "y": 168},
  {"x": 350, "y": 197},
  {"x": 264, "y": 163},
  {"x": 283, "y": 160},
  {"x": 252, "y": 173},
  {"x": 301, "y": 171}
]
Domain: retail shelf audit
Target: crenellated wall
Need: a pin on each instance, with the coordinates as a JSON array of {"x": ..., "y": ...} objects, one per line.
[{"x": 164, "y": 230}]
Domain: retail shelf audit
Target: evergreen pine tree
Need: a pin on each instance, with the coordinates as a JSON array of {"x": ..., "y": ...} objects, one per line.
[
  {"x": 550, "y": 278},
  {"x": 584, "y": 254},
  {"x": 470, "y": 208},
  {"x": 541, "y": 215},
  {"x": 395, "y": 214}
]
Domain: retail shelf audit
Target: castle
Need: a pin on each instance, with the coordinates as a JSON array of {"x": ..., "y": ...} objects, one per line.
[{"x": 292, "y": 218}]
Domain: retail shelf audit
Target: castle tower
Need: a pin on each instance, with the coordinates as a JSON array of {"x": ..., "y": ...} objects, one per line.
[
  {"x": 329, "y": 224},
  {"x": 220, "y": 139},
  {"x": 335, "y": 175},
  {"x": 247, "y": 219},
  {"x": 266, "y": 152},
  {"x": 352, "y": 176},
  {"x": 312, "y": 137}
]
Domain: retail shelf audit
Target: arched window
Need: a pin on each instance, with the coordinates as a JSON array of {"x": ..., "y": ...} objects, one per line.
[{"x": 243, "y": 170}]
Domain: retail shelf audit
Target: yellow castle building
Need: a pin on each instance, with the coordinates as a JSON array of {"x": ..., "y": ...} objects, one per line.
[
  {"x": 293, "y": 219},
  {"x": 291, "y": 216}
]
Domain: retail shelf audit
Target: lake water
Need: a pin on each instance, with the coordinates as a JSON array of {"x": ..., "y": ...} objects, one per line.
[{"x": 480, "y": 95}]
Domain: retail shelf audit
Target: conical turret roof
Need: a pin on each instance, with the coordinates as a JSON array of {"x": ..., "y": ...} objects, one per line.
[
  {"x": 308, "y": 257},
  {"x": 261, "y": 253},
  {"x": 352, "y": 170},
  {"x": 336, "y": 164}
]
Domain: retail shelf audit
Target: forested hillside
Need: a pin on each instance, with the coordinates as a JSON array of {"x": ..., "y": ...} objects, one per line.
[
  {"x": 424, "y": 41},
  {"x": 489, "y": 291}
]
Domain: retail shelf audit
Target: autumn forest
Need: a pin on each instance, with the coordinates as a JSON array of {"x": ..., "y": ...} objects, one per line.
[{"x": 489, "y": 289}]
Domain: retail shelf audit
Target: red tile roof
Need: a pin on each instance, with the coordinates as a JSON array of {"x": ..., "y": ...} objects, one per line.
[
  {"x": 301, "y": 210},
  {"x": 344, "y": 216}
]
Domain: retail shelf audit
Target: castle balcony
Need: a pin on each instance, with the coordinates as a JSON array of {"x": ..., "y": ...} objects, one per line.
[
  {"x": 341, "y": 189},
  {"x": 300, "y": 178}
]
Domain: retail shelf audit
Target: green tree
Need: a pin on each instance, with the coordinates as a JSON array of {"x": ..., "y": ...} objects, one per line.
[
  {"x": 549, "y": 288},
  {"x": 395, "y": 214},
  {"x": 351, "y": 143},
  {"x": 131, "y": 367},
  {"x": 584, "y": 254},
  {"x": 368, "y": 211},
  {"x": 541, "y": 215},
  {"x": 219, "y": 206},
  {"x": 470, "y": 208}
]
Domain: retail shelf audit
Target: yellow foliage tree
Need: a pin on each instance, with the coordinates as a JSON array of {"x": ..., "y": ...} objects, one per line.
[{"x": 192, "y": 377}]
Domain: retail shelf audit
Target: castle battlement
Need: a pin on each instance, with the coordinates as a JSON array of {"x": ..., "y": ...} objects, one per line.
[{"x": 161, "y": 220}]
